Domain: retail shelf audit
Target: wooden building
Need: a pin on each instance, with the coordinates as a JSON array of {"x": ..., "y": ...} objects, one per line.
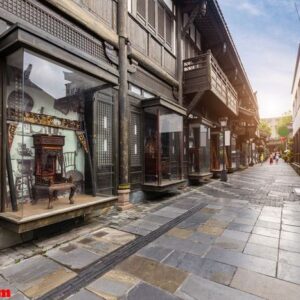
[{"x": 114, "y": 99}]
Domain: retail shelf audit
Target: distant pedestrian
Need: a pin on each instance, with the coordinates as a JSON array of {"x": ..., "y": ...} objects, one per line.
[
  {"x": 271, "y": 159},
  {"x": 277, "y": 157},
  {"x": 261, "y": 158}
]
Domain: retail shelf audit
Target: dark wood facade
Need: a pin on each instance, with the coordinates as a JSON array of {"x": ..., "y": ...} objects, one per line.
[{"x": 171, "y": 57}]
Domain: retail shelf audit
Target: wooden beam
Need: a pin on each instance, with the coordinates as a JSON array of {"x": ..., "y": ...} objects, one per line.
[
  {"x": 194, "y": 102},
  {"x": 191, "y": 19}
]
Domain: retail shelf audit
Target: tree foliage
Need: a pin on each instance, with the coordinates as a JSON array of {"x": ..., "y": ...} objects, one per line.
[
  {"x": 264, "y": 129},
  {"x": 283, "y": 124}
]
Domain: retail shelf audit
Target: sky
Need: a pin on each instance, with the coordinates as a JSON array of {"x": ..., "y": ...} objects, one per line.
[{"x": 266, "y": 34}]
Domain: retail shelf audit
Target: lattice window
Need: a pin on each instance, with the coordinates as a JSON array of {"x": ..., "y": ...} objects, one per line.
[
  {"x": 151, "y": 13},
  {"x": 141, "y": 8},
  {"x": 54, "y": 25},
  {"x": 161, "y": 21},
  {"x": 104, "y": 134},
  {"x": 169, "y": 29},
  {"x": 135, "y": 139}
]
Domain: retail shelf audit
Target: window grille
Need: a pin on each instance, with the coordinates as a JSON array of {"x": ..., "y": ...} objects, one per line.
[
  {"x": 161, "y": 21},
  {"x": 135, "y": 136},
  {"x": 104, "y": 134},
  {"x": 169, "y": 29},
  {"x": 151, "y": 13},
  {"x": 55, "y": 25},
  {"x": 141, "y": 8}
]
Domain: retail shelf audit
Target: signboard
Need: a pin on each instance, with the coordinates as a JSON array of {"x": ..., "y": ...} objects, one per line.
[
  {"x": 227, "y": 137},
  {"x": 170, "y": 123}
]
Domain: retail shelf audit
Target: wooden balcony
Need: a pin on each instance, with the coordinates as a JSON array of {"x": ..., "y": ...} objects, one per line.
[{"x": 203, "y": 74}]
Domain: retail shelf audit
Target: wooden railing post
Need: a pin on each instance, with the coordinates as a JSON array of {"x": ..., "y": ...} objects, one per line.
[{"x": 208, "y": 65}]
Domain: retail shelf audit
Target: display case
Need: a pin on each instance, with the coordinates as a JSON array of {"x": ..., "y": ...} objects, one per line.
[
  {"x": 199, "y": 150},
  {"x": 234, "y": 155},
  {"x": 53, "y": 150},
  {"x": 163, "y": 140}
]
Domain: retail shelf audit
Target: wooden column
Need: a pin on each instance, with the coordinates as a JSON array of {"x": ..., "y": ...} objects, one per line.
[
  {"x": 124, "y": 185},
  {"x": 3, "y": 143},
  {"x": 179, "y": 75}
]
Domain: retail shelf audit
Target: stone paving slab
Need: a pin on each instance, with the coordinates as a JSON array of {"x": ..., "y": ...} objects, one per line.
[
  {"x": 202, "y": 238},
  {"x": 84, "y": 294},
  {"x": 113, "y": 285},
  {"x": 144, "y": 291},
  {"x": 237, "y": 235},
  {"x": 162, "y": 276},
  {"x": 202, "y": 289},
  {"x": 76, "y": 259},
  {"x": 292, "y": 236},
  {"x": 261, "y": 251},
  {"x": 240, "y": 227},
  {"x": 194, "y": 221},
  {"x": 264, "y": 240},
  {"x": 170, "y": 212},
  {"x": 242, "y": 260},
  {"x": 157, "y": 219},
  {"x": 289, "y": 228},
  {"x": 265, "y": 286},
  {"x": 155, "y": 252},
  {"x": 180, "y": 233},
  {"x": 135, "y": 230},
  {"x": 289, "y": 273},
  {"x": 18, "y": 296},
  {"x": 225, "y": 242},
  {"x": 202, "y": 267},
  {"x": 291, "y": 258},
  {"x": 289, "y": 245},
  {"x": 267, "y": 224},
  {"x": 36, "y": 276},
  {"x": 266, "y": 232},
  {"x": 188, "y": 246}
]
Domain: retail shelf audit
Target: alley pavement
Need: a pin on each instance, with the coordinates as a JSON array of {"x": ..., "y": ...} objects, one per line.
[{"x": 242, "y": 243}]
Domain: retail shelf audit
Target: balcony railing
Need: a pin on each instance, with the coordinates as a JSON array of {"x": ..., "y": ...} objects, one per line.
[{"x": 204, "y": 73}]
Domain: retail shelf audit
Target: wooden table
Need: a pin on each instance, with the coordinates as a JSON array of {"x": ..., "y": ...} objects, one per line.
[{"x": 53, "y": 190}]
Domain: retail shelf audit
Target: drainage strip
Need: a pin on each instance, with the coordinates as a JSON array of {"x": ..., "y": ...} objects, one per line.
[{"x": 108, "y": 262}]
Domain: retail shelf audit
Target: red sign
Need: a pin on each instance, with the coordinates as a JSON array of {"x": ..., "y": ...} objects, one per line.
[
  {"x": 5, "y": 293},
  {"x": 282, "y": 138}
]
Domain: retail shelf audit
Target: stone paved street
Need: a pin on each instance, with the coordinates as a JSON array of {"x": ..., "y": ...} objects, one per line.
[{"x": 244, "y": 243}]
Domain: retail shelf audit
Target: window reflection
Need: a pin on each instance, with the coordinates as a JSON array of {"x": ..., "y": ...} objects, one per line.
[
  {"x": 163, "y": 131},
  {"x": 51, "y": 101}
]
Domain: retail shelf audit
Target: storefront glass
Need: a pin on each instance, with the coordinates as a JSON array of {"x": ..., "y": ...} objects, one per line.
[
  {"x": 53, "y": 150},
  {"x": 199, "y": 149},
  {"x": 234, "y": 155},
  {"x": 163, "y": 131}
]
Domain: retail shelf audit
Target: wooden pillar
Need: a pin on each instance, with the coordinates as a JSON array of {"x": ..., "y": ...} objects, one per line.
[
  {"x": 179, "y": 52},
  {"x": 180, "y": 76},
  {"x": 3, "y": 137},
  {"x": 124, "y": 185},
  {"x": 2, "y": 144}
]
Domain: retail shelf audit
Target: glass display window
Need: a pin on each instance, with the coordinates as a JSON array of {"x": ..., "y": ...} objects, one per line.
[
  {"x": 199, "y": 148},
  {"x": 163, "y": 134},
  {"x": 234, "y": 155},
  {"x": 55, "y": 154}
]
